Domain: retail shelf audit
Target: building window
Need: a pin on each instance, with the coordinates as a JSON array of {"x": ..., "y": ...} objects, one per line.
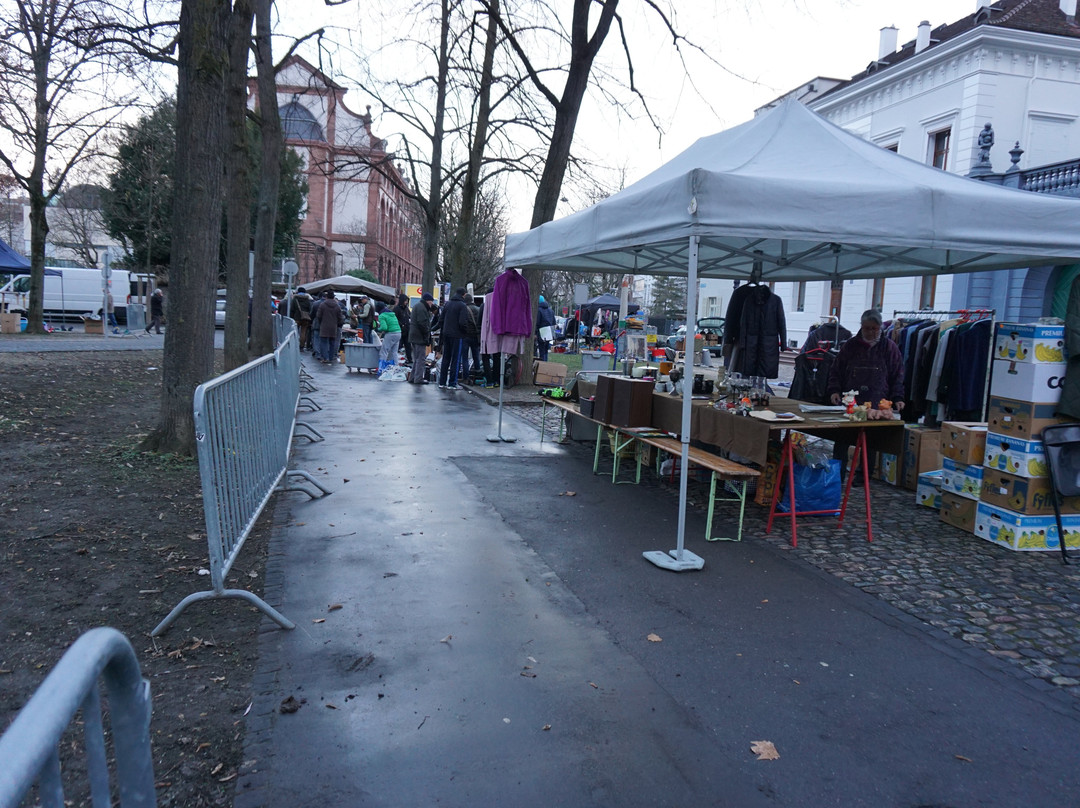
[
  {"x": 927, "y": 288},
  {"x": 800, "y": 296},
  {"x": 894, "y": 148},
  {"x": 877, "y": 295},
  {"x": 939, "y": 149}
]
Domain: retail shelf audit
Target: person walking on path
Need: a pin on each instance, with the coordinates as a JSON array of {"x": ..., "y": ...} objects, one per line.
[
  {"x": 470, "y": 345},
  {"x": 157, "y": 311},
  {"x": 455, "y": 319},
  {"x": 420, "y": 337},
  {"x": 300, "y": 311},
  {"x": 367, "y": 316},
  {"x": 390, "y": 330},
  {"x": 545, "y": 317},
  {"x": 401, "y": 311},
  {"x": 331, "y": 318}
]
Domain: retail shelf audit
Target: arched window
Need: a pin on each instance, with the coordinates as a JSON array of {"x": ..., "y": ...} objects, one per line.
[{"x": 297, "y": 123}]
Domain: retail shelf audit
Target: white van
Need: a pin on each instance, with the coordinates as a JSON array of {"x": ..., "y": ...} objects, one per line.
[{"x": 71, "y": 292}]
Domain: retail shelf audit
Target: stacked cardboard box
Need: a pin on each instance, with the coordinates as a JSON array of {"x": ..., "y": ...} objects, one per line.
[
  {"x": 963, "y": 445},
  {"x": 1017, "y": 508}
]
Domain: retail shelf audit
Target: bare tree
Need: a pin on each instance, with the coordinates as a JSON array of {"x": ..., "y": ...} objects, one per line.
[
  {"x": 199, "y": 168},
  {"x": 57, "y": 94},
  {"x": 77, "y": 222}
]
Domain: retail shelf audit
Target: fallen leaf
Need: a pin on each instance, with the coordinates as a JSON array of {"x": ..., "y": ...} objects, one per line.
[
  {"x": 528, "y": 674},
  {"x": 331, "y": 706},
  {"x": 200, "y": 747},
  {"x": 319, "y": 620},
  {"x": 765, "y": 601},
  {"x": 217, "y": 768},
  {"x": 217, "y": 678},
  {"x": 961, "y": 757},
  {"x": 252, "y": 574},
  {"x": 447, "y": 638},
  {"x": 289, "y": 705},
  {"x": 654, "y": 638},
  {"x": 568, "y": 494},
  {"x": 227, "y": 778},
  {"x": 345, "y": 480},
  {"x": 594, "y": 684},
  {"x": 333, "y": 607},
  {"x": 765, "y": 750},
  {"x": 824, "y": 664},
  {"x": 546, "y": 727}
]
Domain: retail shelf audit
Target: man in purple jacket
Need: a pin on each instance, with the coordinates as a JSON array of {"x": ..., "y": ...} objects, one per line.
[{"x": 871, "y": 366}]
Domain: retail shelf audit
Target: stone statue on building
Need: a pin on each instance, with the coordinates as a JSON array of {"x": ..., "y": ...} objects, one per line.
[{"x": 986, "y": 140}]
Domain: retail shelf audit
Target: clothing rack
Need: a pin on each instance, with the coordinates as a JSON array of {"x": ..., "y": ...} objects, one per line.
[{"x": 964, "y": 315}]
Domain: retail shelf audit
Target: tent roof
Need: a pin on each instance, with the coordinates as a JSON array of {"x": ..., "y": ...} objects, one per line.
[
  {"x": 810, "y": 201},
  {"x": 11, "y": 260},
  {"x": 353, "y": 286}
]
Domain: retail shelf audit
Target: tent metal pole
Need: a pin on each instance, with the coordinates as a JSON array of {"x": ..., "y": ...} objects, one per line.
[
  {"x": 680, "y": 559},
  {"x": 499, "y": 437}
]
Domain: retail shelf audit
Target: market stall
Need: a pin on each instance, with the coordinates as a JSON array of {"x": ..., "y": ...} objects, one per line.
[{"x": 795, "y": 198}]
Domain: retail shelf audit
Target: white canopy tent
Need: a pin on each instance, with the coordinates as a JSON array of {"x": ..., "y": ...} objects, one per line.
[{"x": 804, "y": 200}]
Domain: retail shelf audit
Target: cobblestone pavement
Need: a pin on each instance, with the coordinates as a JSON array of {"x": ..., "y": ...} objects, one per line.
[{"x": 1023, "y": 607}]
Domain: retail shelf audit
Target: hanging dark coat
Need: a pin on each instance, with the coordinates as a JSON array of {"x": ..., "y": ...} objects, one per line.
[
  {"x": 1069, "y": 406},
  {"x": 762, "y": 333}
]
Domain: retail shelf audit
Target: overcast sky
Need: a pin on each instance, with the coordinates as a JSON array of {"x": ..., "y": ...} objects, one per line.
[{"x": 766, "y": 47}]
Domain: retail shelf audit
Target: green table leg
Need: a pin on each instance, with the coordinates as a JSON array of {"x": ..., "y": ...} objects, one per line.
[{"x": 739, "y": 489}]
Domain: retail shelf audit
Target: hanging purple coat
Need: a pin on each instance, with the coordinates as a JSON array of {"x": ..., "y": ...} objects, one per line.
[{"x": 510, "y": 312}]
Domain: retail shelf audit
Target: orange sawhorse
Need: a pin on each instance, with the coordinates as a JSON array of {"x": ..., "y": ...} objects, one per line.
[{"x": 787, "y": 468}]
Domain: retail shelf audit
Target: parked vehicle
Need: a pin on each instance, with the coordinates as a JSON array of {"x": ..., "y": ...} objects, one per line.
[
  {"x": 705, "y": 326},
  {"x": 71, "y": 292}
]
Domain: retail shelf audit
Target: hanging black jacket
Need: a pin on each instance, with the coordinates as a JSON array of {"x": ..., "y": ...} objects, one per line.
[{"x": 762, "y": 333}]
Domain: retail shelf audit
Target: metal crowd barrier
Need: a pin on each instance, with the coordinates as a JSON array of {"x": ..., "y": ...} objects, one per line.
[
  {"x": 30, "y": 748},
  {"x": 244, "y": 425}
]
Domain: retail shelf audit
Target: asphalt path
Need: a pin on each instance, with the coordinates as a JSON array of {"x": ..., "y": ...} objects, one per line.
[{"x": 492, "y": 645}]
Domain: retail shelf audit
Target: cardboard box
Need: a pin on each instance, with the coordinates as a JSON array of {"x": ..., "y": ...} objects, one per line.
[
  {"x": 964, "y": 442},
  {"x": 928, "y": 489},
  {"x": 603, "y": 397},
  {"x": 1030, "y": 342},
  {"x": 886, "y": 467},
  {"x": 549, "y": 374},
  {"x": 1026, "y": 458},
  {"x": 922, "y": 453},
  {"x": 766, "y": 483},
  {"x": 1020, "y": 419},
  {"x": 10, "y": 323},
  {"x": 961, "y": 478},
  {"x": 1024, "y": 381},
  {"x": 91, "y": 326},
  {"x": 631, "y": 401},
  {"x": 1032, "y": 496},
  {"x": 958, "y": 511},
  {"x": 1019, "y": 532}
]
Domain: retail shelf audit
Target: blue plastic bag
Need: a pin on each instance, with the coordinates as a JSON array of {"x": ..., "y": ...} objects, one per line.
[{"x": 817, "y": 488}]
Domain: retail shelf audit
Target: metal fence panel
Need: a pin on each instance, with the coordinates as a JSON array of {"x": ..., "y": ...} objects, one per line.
[{"x": 29, "y": 749}]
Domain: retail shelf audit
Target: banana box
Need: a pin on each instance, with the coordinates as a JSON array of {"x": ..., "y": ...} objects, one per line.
[
  {"x": 1024, "y": 458},
  {"x": 1020, "y": 419},
  {"x": 964, "y": 479},
  {"x": 886, "y": 468},
  {"x": 1033, "y": 343},
  {"x": 958, "y": 511},
  {"x": 963, "y": 441},
  {"x": 1018, "y": 531},
  {"x": 1024, "y": 381},
  {"x": 928, "y": 491},
  {"x": 1031, "y": 496}
]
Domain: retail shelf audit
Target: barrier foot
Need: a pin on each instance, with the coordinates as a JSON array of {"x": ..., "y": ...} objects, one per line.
[
  {"x": 307, "y": 477},
  {"x": 315, "y": 436},
  {"x": 674, "y": 560},
  {"x": 242, "y": 594},
  {"x": 308, "y": 402}
]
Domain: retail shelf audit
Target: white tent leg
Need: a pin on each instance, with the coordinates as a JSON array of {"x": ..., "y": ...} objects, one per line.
[{"x": 681, "y": 559}]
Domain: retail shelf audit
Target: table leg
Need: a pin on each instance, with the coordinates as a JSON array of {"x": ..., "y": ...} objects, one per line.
[
  {"x": 861, "y": 463},
  {"x": 543, "y": 419},
  {"x": 596, "y": 452},
  {"x": 786, "y": 469}
]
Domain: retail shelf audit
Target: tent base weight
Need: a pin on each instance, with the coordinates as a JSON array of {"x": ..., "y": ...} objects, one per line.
[{"x": 670, "y": 560}]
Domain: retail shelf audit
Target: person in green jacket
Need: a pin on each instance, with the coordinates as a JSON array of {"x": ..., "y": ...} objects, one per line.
[{"x": 390, "y": 330}]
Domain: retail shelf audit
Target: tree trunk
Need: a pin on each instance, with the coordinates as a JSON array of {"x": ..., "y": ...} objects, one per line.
[
  {"x": 262, "y": 336},
  {"x": 39, "y": 229},
  {"x": 200, "y": 146},
  {"x": 237, "y": 189},
  {"x": 471, "y": 185},
  {"x": 433, "y": 207}
]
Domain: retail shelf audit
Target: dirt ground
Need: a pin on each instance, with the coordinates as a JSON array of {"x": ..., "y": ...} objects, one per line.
[{"x": 94, "y": 532}]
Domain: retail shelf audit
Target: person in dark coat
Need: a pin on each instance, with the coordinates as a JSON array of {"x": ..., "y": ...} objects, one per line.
[
  {"x": 762, "y": 334},
  {"x": 401, "y": 311},
  {"x": 331, "y": 319},
  {"x": 300, "y": 311},
  {"x": 545, "y": 316},
  {"x": 455, "y": 319},
  {"x": 157, "y": 311},
  {"x": 419, "y": 336}
]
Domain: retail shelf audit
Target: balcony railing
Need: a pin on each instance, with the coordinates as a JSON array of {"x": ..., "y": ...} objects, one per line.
[{"x": 1062, "y": 179}]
